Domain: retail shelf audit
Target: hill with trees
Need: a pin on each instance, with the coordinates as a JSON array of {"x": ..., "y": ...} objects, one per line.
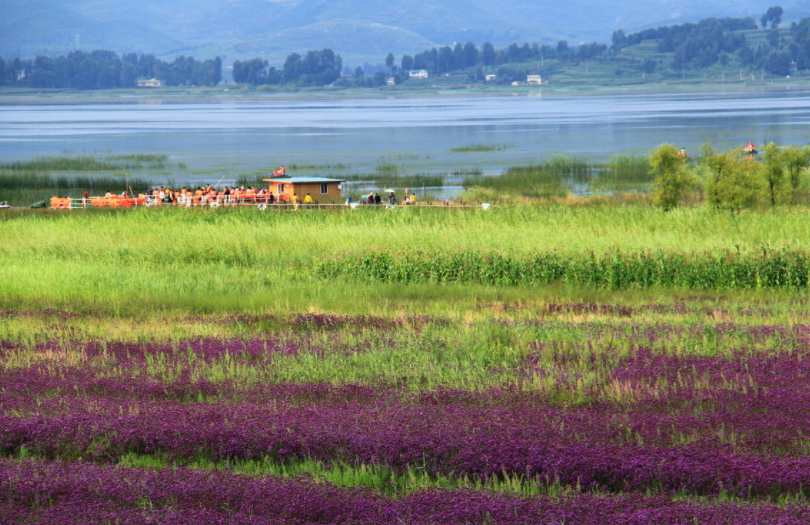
[
  {"x": 704, "y": 50},
  {"x": 359, "y": 30}
]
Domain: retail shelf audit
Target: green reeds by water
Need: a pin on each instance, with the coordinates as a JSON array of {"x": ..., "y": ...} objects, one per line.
[
  {"x": 625, "y": 172},
  {"x": 88, "y": 163},
  {"x": 35, "y": 181},
  {"x": 24, "y": 188},
  {"x": 317, "y": 167},
  {"x": 560, "y": 175},
  {"x": 472, "y": 148},
  {"x": 523, "y": 181},
  {"x": 22, "y": 183}
]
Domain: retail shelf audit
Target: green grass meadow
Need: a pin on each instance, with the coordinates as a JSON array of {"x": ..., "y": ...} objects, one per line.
[{"x": 249, "y": 260}]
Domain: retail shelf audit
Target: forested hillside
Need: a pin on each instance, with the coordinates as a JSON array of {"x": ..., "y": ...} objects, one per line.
[
  {"x": 748, "y": 47},
  {"x": 358, "y": 30}
]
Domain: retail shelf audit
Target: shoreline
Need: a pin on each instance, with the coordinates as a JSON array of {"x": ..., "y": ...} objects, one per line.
[{"x": 9, "y": 97}]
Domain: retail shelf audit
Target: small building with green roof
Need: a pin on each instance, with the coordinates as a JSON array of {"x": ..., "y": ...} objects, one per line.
[{"x": 322, "y": 189}]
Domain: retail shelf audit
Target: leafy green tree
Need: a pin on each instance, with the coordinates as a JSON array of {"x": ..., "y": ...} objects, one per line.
[
  {"x": 470, "y": 55},
  {"x": 214, "y": 71},
  {"x": 618, "y": 40},
  {"x": 445, "y": 62},
  {"x": 458, "y": 57},
  {"x": 406, "y": 63},
  {"x": 253, "y": 71},
  {"x": 772, "y": 15},
  {"x": 734, "y": 182},
  {"x": 673, "y": 179},
  {"x": 390, "y": 61},
  {"x": 379, "y": 79},
  {"x": 488, "y": 54},
  {"x": 293, "y": 68},
  {"x": 796, "y": 161},
  {"x": 773, "y": 171},
  {"x": 778, "y": 62},
  {"x": 588, "y": 51}
]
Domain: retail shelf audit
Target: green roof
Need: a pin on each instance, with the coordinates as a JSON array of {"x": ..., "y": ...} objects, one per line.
[{"x": 302, "y": 180}]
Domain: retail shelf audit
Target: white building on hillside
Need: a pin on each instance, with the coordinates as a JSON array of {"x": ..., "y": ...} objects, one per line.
[{"x": 152, "y": 82}]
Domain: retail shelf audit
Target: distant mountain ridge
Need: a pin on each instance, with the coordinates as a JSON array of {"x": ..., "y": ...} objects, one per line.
[{"x": 357, "y": 29}]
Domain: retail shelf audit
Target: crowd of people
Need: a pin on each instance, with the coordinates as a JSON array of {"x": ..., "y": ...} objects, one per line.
[
  {"x": 374, "y": 198},
  {"x": 211, "y": 195}
]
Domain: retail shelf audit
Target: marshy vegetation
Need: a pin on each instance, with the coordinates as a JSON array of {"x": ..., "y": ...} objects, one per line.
[
  {"x": 561, "y": 175},
  {"x": 88, "y": 163},
  {"x": 25, "y": 182},
  {"x": 473, "y": 148}
]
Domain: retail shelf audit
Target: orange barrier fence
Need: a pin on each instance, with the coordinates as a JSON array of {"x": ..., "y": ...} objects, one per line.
[{"x": 260, "y": 202}]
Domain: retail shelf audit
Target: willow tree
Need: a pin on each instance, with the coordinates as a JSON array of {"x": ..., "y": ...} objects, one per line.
[
  {"x": 773, "y": 171},
  {"x": 734, "y": 182},
  {"x": 796, "y": 162},
  {"x": 673, "y": 178}
]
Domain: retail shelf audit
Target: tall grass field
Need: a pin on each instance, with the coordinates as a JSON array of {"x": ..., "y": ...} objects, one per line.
[{"x": 256, "y": 259}]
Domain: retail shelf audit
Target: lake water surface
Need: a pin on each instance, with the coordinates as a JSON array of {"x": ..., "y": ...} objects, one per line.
[{"x": 232, "y": 137}]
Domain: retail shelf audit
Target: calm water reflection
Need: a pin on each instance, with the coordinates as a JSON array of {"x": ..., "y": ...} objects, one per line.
[{"x": 415, "y": 134}]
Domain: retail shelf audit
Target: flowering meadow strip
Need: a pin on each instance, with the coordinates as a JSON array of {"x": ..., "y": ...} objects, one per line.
[
  {"x": 726, "y": 270},
  {"x": 602, "y": 447},
  {"x": 557, "y": 362},
  {"x": 47, "y": 492},
  {"x": 616, "y": 405}
]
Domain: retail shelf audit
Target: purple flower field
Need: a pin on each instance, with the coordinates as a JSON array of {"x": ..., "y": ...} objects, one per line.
[
  {"x": 635, "y": 416},
  {"x": 79, "y": 493}
]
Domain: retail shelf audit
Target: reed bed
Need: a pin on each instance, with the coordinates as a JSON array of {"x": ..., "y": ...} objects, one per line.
[
  {"x": 473, "y": 148},
  {"x": 88, "y": 163}
]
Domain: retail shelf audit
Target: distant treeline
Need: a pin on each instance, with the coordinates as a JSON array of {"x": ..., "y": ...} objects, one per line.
[
  {"x": 316, "y": 68},
  {"x": 693, "y": 46},
  {"x": 106, "y": 70}
]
